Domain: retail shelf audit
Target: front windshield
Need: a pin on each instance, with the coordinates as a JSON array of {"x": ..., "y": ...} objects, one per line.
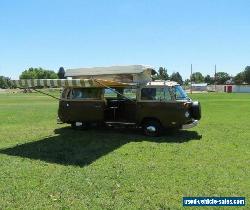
[{"x": 180, "y": 94}]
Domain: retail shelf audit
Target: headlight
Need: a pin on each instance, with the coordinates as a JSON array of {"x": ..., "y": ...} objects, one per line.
[{"x": 187, "y": 114}]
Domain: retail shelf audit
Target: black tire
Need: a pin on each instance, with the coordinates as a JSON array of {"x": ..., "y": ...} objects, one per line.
[
  {"x": 196, "y": 110},
  {"x": 152, "y": 128},
  {"x": 84, "y": 126}
]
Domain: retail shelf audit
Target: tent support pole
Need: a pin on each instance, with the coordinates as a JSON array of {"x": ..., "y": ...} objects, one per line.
[
  {"x": 112, "y": 89},
  {"x": 46, "y": 94}
]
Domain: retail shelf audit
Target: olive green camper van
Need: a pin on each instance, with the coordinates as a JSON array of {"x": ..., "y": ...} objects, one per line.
[{"x": 123, "y": 96}]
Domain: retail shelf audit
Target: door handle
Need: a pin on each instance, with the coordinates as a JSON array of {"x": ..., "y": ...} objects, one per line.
[{"x": 98, "y": 106}]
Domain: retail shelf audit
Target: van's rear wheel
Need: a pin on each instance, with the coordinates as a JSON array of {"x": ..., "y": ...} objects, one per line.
[
  {"x": 79, "y": 125},
  {"x": 152, "y": 128}
]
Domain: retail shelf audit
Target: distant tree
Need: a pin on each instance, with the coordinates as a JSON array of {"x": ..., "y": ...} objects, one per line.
[
  {"x": 162, "y": 74},
  {"x": 61, "y": 73},
  {"x": 209, "y": 80},
  {"x": 243, "y": 77},
  {"x": 5, "y": 82},
  {"x": 9, "y": 84},
  {"x": 176, "y": 77},
  {"x": 239, "y": 79},
  {"x": 222, "y": 77},
  {"x": 247, "y": 74},
  {"x": 186, "y": 82},
  {"x": 197, "y": 77},
  {"x": 38, "y": 73}
]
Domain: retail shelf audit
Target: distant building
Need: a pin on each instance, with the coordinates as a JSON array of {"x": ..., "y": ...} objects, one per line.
[
  {"x": 230, "y": 88},
  {"x": 229, "y": 82},
  {"x": 199, "y": 87},
  {"x": 241, "y": 88}
]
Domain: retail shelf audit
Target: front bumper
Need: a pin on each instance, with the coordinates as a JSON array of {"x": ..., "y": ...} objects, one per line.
[{"x": 190, "y": 125}]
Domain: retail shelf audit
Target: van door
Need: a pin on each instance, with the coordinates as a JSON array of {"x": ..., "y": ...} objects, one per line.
[
  {"x": 157, "y": 103},
  {"x": 121, "y": 108},
  {"x": 86, "y": 105},
  {"x": 128, "y": 105},
  {"x": 64, "y": 108}
]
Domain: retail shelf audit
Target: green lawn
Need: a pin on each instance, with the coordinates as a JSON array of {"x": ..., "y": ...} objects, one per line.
[{"x": 48, "y": 166}]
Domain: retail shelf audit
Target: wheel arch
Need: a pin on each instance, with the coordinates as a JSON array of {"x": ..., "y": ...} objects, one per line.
[{"x": 146, "y": 119}]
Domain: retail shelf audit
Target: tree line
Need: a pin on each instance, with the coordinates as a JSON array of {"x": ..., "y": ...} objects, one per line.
[
  {"x": 33, "y": 73},
  {"x": 220, "y": 78}
]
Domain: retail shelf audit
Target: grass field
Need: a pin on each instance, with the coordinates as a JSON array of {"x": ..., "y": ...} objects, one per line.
[{"x": 48, "y": 166}]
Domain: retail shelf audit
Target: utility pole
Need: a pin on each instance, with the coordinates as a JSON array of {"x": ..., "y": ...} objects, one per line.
[
  {"x": 215, "y": 78},
  {"x": 191, "y": 91}
]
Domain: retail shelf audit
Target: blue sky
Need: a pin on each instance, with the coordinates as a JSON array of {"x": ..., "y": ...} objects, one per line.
[{"x": 78, "y": 33}]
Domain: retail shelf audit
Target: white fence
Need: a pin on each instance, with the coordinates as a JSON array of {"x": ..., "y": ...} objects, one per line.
[
  {"x": 225, "y": 88},
  {"x": 241, "y": 88}
]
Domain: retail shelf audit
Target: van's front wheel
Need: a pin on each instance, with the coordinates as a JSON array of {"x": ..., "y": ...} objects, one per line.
[{"x": 152, "y": 128}]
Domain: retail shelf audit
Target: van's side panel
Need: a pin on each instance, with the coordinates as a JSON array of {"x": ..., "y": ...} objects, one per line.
[
  {"x": 82, "y": 110},
  {"x": 170, "y": 114},
  {"x": 63, "y": 111},
  {"x": 128, "y": 111}
]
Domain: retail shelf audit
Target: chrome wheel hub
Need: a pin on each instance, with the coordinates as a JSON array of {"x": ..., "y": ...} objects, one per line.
[{"x": 151, "y": 129}]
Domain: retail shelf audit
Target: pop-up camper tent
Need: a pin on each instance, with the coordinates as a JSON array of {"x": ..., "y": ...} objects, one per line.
[{"x": 125, "y": 74}]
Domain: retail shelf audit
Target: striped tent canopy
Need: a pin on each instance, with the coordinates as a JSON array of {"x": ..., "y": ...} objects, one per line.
[{"x": 54, "y": 83}]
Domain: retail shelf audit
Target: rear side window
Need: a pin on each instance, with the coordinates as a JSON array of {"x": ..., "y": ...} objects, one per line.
[
  {"x": 130, "y": 93},
  {"x": 64, "y": 92},
  {"x": 87, "y": 93},
  {"x": 68, "y": 94},
  {"x": 109, "y": 93},
  {"x": 124, "y": 93}
]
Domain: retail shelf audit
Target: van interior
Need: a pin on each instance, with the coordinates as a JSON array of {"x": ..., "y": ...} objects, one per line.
[{"x": 120, "y": 105}]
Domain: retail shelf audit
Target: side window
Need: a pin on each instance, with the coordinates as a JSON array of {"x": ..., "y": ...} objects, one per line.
[
  {"x": 168, "y": 96},
  {"x": 160, "y": 95},
  {"x": 109, "y": 93},
  {"x": 87, "y": 93},
  {"x": 130, "y": 93},
  {"x": 155, "y": 94},
  {"x": 124, "y": 93}
]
